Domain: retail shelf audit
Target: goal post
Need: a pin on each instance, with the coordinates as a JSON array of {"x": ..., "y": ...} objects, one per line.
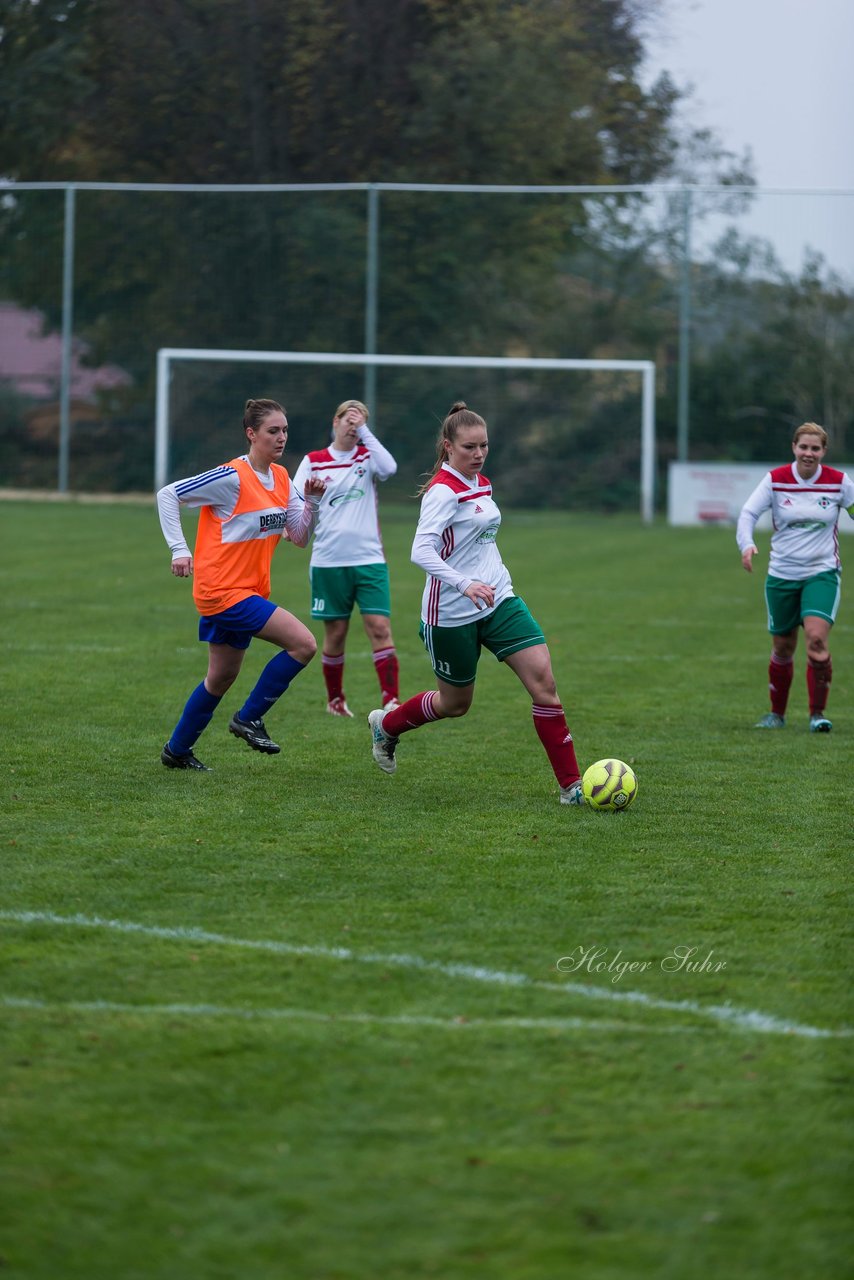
[{"x": 167, "y": 356}]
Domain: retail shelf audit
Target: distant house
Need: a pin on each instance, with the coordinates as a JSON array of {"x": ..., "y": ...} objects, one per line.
[{"x": 31, "y": 361}]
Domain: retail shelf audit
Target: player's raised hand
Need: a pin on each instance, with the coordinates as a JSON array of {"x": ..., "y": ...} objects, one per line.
[{"x": 315, "y": 487}]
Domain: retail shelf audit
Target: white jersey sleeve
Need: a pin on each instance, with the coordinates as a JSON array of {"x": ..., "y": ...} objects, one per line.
[
  {"x": 302, "y": 473},
  {"x": 218, "y": 488},
  {"x": 382, "y": 463},
  {"x": 758, "y": 502},
  {"x": 300, "y": 517},
  {"x": 438, "y": 511}
]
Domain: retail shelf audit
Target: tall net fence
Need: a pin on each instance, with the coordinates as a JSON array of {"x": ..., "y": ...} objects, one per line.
[{"x": 743, "y": 300}]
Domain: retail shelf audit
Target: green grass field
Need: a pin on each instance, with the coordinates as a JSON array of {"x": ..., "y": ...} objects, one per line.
[{"x": 296, "y": 1018}]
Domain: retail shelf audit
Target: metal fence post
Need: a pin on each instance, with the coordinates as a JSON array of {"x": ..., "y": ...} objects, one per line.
[
  {"x": 682, "y": 409},
  {"x": 67, "y": 339},
  {"x": 372, "y": 271}
]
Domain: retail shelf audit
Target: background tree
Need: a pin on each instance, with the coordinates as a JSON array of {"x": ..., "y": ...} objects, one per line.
[
  {"x": 444, "y": 91},
  {"x": 331, "y": 90}
]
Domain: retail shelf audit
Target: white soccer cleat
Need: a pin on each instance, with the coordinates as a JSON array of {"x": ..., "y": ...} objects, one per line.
[
  {"x": 382, "y": 743},
  {"x": 771, "y": 721},
  {"x": 572, "y": 794},
  {"x": 338, "y": 707},
  {"x": 391, "y": 705},
  {"x": 820, "y": 724}
]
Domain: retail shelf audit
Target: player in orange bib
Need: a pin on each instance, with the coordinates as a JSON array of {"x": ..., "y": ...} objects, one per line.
[{"x": 246, "y": 507}]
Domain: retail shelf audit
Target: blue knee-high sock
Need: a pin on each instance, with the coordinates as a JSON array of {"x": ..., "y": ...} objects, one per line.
[
  {"x": 195, "y": 717},
  {"x": 272, "y": 683}
]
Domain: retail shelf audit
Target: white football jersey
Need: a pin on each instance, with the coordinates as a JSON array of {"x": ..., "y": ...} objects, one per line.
[
  {"x": 348, "y": 530},
  {"x": 805, "y": 515},
  {"x": 455, "y": 545}
]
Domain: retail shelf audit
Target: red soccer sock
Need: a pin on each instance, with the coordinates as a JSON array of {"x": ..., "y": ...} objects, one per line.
[
  {"x": 332, "y": 666},
  {"x": 410, "y": 714},
  {"x": 385, "y": 661},
  {"x": 819, "y": 676},
  {"x": 779, "y": 683},
  {"x": 551, "y": 727}
]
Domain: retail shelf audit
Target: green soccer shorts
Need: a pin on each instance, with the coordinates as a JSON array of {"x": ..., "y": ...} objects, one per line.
[
  {"x": 789, "y": 602},
  {"x": 335, "y": 592},
  {"x": 455, "y": 651}
]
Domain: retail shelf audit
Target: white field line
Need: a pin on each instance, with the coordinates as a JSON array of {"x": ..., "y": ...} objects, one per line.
[
  {"x": 725, "y": 1014},
  {"x": 314, "y": 1015},
  {"x": 36, "y": 646}
]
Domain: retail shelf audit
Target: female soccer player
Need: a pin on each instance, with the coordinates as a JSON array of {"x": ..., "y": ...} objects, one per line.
[
  {"x": 348, "y": 564},
  {"x": 247, "y": 505},
  {"x": 469, "y": 602},
  {"x": 803, "y": 583}
]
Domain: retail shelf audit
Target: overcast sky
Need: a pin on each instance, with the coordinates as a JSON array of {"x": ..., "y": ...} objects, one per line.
[{"x": 776, "y": 76}]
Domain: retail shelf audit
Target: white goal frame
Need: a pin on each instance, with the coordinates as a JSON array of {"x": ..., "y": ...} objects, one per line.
[{"x": 646, "y": 368}]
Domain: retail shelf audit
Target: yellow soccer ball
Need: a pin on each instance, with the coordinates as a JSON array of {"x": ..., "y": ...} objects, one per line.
[{"x": 609, "y": 784}]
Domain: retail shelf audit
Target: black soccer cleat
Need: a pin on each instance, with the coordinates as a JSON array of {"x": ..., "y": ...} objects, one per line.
[
  {"x": 186, "y": 761},
  {"x": 255, "y": 733}
]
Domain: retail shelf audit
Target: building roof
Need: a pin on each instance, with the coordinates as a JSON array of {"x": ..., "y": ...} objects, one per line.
[{"x": 31, "y": 360}]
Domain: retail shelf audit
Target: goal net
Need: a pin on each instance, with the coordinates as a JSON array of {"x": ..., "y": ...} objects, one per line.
[{"x": 562, "y": 431}]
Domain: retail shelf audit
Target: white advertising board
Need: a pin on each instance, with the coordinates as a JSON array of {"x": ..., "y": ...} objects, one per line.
[{"x": 713, "y": 493}]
